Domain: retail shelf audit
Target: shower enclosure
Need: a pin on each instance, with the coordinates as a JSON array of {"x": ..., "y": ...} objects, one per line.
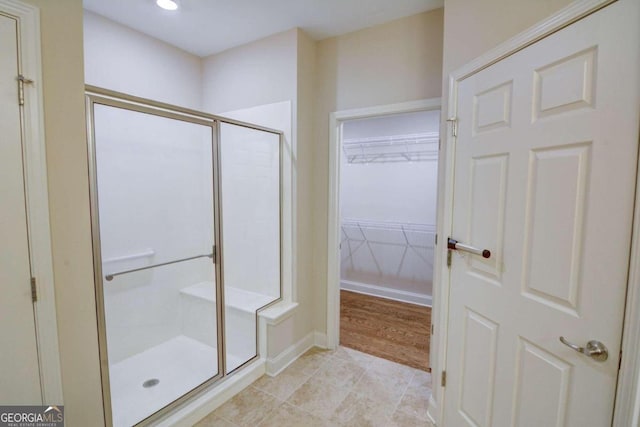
[{"x": 186, "y": 229}]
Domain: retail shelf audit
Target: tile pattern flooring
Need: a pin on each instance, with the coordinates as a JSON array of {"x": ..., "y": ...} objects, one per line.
[{"x": 331, "y": 388}]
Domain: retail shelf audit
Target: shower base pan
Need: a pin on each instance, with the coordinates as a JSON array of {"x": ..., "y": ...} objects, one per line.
[{"x": 144, "y": 383}]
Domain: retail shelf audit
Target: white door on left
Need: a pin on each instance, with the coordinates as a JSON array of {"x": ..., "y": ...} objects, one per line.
[{"x": 19, "y": 369}]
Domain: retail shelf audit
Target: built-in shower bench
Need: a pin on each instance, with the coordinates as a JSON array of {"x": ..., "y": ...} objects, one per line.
[
  {"x": 198, "y": 313},
  {"x": 235, "y": 298}
]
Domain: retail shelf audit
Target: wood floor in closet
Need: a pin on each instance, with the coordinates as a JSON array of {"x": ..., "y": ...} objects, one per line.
[{"x": 385, "y": 328}]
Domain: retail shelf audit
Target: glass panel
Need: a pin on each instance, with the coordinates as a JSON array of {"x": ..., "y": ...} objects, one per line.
[
  {"x": 250, "y": 188},
  {"x": 155, "y": 194}
]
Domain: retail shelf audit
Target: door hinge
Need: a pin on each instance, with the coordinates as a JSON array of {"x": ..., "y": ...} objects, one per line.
[
  {"x": 214, "y": 253},
  {"x": 454, "y": 125},
  {"x": 34, "y": 290},
  {"x": 443, "y": 379},
  {"x": 449, "y": 257},
  {"x": 432, "y": 329},
  {"x": 22, "y": 80},
  {"x": 436, "y": 240},
  {"x": 620, "y": 360}
]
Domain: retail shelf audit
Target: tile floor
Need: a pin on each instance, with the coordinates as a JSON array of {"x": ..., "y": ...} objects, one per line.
[{"x": 331, "y": 388}]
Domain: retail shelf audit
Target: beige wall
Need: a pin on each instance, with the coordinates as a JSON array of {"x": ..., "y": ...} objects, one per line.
[
  {"x": 274, "y": 69},
  {"x": 304, "y": 166},
  {"x": 473, "y": 27},
  {"x": 394, "y": 62},
  {"x": 257, "y": 73},
  {"x": 63, "y": 85}
]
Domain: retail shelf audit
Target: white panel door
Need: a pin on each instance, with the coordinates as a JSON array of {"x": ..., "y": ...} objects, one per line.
[
  {"x": 545, "y": 170},
  {"x": 19, "y": 372}
]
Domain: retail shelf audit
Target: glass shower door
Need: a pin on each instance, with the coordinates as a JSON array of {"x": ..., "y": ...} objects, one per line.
[
  {"x": 250, "y": 209},
  {"x": 157, "y": 237}
]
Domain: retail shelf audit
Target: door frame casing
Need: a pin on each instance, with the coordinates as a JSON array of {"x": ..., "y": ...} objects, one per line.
[
  {"x": 627, "y": 403},
  {"x": 37, "y": 197},
  {"x": 336, "y": 119}
]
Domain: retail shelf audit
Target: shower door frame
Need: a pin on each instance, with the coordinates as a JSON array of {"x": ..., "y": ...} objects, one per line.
[{"x": 100, "y": 96}]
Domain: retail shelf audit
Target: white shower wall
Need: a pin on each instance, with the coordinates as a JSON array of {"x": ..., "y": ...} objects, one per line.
[
  {"x": 156, "y": 205},
  {"x": 274, "y": 116},
  {"x": 250, "y": 186},
  {"x": 388, "y": 212}
]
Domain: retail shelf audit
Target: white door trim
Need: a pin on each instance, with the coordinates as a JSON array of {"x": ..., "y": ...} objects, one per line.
[
  {"x": 36, "y": 189},
  {"x": 627, "y": 408},
  {"x": 333, "y": 258}
]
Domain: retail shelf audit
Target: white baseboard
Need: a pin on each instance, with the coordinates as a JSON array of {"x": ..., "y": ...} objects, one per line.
[
  {"x": 203, "y": 405},
  {"x": 320, "y": 339},
  {"x": 279, "y": 363},
  {"x": 389, "y": 293}
]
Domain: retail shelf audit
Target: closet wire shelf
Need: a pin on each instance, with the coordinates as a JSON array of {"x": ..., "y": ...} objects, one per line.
[
  {"x": 417, "y": 147},
  {"x": 357, "y": 235}
]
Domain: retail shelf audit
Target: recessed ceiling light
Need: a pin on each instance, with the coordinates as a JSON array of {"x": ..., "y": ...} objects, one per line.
[{"x": 167, "y": 4}]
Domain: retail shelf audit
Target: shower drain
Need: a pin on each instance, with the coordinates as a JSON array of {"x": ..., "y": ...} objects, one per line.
[{"x": 150, "y": 383}]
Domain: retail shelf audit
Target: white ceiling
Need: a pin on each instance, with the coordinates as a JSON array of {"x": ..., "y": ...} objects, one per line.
[{"x": 205, "y": 27}]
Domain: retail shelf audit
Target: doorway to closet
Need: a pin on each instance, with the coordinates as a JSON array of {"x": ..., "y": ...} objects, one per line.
[{"x": 387, "y": 224}]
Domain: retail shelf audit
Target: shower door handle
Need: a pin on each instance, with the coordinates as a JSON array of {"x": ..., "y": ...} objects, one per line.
[
  {"x": 457, "y": 246},
  {"x": 212, "y": 255}
]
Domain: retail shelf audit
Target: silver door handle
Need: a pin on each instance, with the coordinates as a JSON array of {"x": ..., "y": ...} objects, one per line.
[
  {"x": 455, "y": 245},
  {"x": 594, "y": 349}
]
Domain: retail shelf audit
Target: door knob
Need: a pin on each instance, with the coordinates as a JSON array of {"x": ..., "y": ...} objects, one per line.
[{"x": 594, "y": 349}]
